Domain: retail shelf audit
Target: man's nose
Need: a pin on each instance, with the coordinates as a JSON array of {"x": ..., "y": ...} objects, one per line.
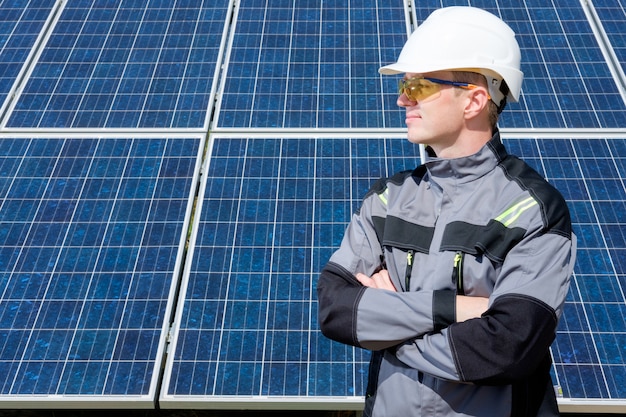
[{"x": 404, "y": 101}]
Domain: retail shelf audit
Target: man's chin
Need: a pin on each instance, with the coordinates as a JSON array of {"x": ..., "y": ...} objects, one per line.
[{"x": 416, "y": 140}]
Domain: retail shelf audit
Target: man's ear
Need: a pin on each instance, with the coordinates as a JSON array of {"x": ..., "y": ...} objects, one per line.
[{"x": 478, "y": 101}]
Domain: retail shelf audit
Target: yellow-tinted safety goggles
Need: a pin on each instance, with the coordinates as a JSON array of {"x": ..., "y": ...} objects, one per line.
[{"x": 418, "y": 89}]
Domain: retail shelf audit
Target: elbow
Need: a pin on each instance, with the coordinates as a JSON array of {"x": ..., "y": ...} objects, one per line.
[
  {"x": 507, "y": 344},
  {"x": 338, "y": 299}
]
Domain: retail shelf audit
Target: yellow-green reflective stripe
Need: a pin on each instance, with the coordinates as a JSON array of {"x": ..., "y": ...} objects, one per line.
[
  {"x": 513, "y": 212},
  {"x": 383, "y": 196}
]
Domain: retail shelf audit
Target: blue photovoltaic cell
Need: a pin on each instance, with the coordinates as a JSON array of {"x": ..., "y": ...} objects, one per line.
[
  {"x": 90, "y": 236},
  {"x": 142, "y": 64},
  {"x": 275, "y": 209},
  {"x": 20, "y": 24},
  {"x": 612, "y": 14},
  {"x": 313, "y": 64},
  {"x": 567, "y": 83}
]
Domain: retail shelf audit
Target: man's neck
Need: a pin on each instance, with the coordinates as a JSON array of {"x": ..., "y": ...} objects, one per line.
[{"x": 465, "y": 145}]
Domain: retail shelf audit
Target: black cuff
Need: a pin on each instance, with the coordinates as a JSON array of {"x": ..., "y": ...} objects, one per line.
[{"x": 444, "y": 308}]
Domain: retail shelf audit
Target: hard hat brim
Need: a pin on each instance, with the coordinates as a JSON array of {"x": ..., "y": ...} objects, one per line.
[{"x": 393, "y": 69}]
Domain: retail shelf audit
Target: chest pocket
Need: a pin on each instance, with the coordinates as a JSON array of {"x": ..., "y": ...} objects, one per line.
[
  {"x": 479, "y": 253},
  {"x": 411, "y": 238},
  {"x": 493, "y": 240}
]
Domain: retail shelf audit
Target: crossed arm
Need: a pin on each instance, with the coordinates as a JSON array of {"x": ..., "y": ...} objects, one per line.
[{"x": 466, "y": 307}]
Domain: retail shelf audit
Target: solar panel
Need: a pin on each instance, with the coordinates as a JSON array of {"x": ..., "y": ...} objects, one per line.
[
  {"x": 278, "y": 77},
  {"x": 274, "y": 209},
  {"x": 313, "y": 65},
  {"x": 126, "y": 65},
  {"x": 20, "y": 25},
  {"x": 612, "y": 15},
  {"x": 91, "y": 233}
]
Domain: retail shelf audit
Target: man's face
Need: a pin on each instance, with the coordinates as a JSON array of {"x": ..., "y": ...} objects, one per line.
[{"x": 436, "y": 120}]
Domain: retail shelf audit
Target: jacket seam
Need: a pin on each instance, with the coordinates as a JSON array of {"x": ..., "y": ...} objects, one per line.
[{"x": 357, "y": 301}]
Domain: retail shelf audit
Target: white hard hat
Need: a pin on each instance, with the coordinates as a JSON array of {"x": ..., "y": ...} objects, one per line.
[{"x": 465, "y": 39}]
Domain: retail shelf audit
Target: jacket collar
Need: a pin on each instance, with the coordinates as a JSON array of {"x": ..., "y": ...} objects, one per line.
[{"x": 468, "y": 168}]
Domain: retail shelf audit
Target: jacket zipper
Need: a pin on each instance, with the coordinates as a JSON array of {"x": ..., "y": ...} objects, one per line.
[
  {"x": 409, "y": 270},
  {"x": 457, "y": 273}
]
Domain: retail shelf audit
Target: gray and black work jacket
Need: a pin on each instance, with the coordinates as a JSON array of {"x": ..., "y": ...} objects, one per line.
[{"x": 485, "y": 225}]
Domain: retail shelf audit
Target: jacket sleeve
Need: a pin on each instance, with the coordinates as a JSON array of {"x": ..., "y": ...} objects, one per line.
[
  {"x": 512, "y": 337},
  {"x": 376, "y": 319},
  {"x": 370, "y": 318}
]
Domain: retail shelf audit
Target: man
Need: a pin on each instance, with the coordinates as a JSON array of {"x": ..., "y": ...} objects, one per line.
[{"x": 455, "y": 274}]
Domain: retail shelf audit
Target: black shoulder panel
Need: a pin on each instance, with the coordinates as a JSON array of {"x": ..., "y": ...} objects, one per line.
[{"x": 556, "y": 217}]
